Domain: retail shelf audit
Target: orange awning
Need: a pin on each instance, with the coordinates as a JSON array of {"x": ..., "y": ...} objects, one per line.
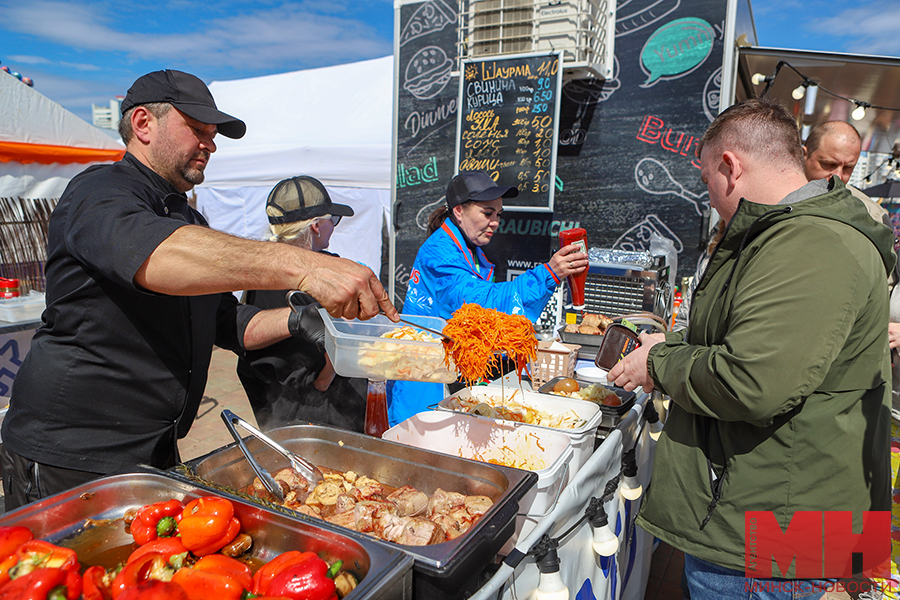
[{"x": 48, "y": 154}]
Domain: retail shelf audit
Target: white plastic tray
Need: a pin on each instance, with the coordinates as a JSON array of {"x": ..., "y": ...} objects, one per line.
[{"x": 357, "y": 349}]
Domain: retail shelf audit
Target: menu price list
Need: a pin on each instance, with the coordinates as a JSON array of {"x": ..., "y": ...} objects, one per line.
[{"x": 508, "y": 123}]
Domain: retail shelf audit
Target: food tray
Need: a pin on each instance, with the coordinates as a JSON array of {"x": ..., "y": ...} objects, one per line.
[
  {"x": 582, "y": 438},
  {"x": 582, "y": 339},
  {"x": 357, "y": 349},
  {"x": 467, "y": 436},
  {"x": 440, "y": 570},
  {"x": 617, "y": 411},
  {"x": 88, "y": 520},
  {"x": 22, "y": 308},
  {"x": 552, "y": 363}
]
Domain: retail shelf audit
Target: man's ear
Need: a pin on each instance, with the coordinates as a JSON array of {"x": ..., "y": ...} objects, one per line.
[
  {"x": 733, "y": 167},
  {"x": 143, "y": 123},
  {"x": 805, "y": 153}
]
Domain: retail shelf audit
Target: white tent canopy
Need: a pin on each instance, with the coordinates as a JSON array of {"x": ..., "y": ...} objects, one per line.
[
  {"x": 333, "y": 124},
  {"x": 42, "y": 145}
]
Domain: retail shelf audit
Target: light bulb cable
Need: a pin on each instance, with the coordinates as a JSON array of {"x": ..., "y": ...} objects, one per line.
[{"x": 808, "y": 82}]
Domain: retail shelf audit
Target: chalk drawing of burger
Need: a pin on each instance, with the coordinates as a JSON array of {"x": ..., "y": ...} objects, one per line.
[{"x": 428, "y": 73}]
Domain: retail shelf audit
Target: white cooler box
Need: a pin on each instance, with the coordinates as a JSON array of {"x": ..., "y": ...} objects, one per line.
[{"x": 479, "y": 439}]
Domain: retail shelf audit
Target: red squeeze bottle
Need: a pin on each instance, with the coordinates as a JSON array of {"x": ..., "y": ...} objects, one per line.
[
  {"x": 376, "y": 409},
  {"x": 577, "y": 236}
]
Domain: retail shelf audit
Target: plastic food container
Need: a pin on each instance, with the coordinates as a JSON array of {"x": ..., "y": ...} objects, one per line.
[
  {"x": 471, "y": 437},
  {"x": 581, "y": 438},
  {"x": 22, "y": 308},
  {"x": 357, "y": 349},
  {"x": 627, "y": 398},
  {"x": 88, "y": 520}
]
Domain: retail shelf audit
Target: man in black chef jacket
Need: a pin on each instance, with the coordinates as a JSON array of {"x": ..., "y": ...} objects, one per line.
[{"x": 138, "y": 292}]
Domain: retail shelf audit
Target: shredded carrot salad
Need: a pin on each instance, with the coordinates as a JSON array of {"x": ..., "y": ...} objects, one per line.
[{"x": 480, "y": 335}]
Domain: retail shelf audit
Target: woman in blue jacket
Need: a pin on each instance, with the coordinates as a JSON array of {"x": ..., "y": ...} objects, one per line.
[{"x": 451, "y": 269}]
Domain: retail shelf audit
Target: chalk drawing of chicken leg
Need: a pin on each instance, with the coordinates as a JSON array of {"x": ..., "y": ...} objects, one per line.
[
  {"x": 425, "y": 212},
  {"x": 640, "y": 235},
  {"x": 654, "y": 178}
]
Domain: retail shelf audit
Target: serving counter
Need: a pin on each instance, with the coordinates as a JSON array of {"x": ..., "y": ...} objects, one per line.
[{"x": 586, "y": 574}]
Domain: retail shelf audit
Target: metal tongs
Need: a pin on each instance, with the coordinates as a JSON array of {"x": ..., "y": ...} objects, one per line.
[{"x": 306, "y": 469}]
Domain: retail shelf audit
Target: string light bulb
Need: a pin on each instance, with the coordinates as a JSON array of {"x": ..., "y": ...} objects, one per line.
[
  {"x": 604, "y": 542},
  {"x": 631, "y": 486},
  {"x": 550, "y": 586},
  {"x": 859, "y": 113},
  {"x": 799, "y": 91},
  {"x": 758, "y": 78},
  {"x": 653, "y": 420}
]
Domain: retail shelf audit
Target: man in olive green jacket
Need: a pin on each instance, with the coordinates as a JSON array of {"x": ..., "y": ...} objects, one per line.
[{"x": 780, "y": 384}]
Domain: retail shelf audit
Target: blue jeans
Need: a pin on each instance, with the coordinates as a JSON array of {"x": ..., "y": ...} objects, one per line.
[{"x": 707, "y": 581}]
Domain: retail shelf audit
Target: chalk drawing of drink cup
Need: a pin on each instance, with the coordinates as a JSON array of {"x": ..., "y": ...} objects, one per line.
[
  {"x": 638, "y": 237},
  {"x": 580, "y": 97},
  {"x": 428, "y": 73},
  {"x": 654, "y": 178}
]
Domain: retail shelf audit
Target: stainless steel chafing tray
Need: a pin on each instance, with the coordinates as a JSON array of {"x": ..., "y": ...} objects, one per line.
[
  {"x": 88, "y": 520},
  {"x": 446, "y": 567}
]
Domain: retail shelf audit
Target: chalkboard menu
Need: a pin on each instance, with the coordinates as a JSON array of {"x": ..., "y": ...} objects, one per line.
[{"x": 508, "y": 114}]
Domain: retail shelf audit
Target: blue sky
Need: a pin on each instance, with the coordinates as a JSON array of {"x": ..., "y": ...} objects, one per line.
[{"x": 88, "y": 51}]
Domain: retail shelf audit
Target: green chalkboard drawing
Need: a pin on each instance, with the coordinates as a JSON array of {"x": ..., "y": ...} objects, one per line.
[{"x": 676, "y": 49}]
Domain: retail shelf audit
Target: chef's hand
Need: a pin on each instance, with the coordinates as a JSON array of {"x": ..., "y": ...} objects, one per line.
[
  {"x": 569, "y": 260},
  {"x": 894, "y": 335},
  {"x": 631, "y": 371},
  {"x": 345, "y": 288},
  {"x": 326, "y": 376},
  {"x": 307, "y": 323}
]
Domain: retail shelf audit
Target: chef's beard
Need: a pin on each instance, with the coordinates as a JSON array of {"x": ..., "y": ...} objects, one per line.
[{"x": 177, "y": 170}]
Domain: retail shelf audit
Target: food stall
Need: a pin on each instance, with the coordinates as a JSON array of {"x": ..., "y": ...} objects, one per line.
[{"x": 600, "y": 462}]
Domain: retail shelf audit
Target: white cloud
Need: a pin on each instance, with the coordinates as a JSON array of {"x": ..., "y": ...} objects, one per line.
[
  {"x": 40, "y": 60},
  {"x": 869, "y": 28},
  {"x": 290, "y": 35}
]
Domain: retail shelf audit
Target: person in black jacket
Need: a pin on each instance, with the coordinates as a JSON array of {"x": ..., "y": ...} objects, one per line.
[
  {"x": 293, "y": 381},
  {"x": 139, "y": 289}
]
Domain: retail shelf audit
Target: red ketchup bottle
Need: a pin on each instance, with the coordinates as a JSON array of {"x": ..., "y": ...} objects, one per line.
[
  {"x": 577, "y": 236},
  {"x": 376, "y": 409}
]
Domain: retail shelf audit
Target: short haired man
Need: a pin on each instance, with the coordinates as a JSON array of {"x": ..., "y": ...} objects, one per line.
[
  {"x": 832, "y": 149},
  {"x": 138, "y": 291},
  {"x": 779, "y": 384}
]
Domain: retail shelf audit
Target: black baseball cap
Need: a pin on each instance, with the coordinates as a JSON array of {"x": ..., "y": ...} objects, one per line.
[
  {"x": 477, "y": 186},
  {"x": 186, "y": 93},
  {"x": 301, "y": 198}
]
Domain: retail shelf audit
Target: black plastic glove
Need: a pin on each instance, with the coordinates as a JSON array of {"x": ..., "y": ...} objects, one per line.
[{"x": 308, "y": 324}]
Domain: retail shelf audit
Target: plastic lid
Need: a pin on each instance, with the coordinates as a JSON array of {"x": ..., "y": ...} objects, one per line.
[{"x": 9, "y": 283}]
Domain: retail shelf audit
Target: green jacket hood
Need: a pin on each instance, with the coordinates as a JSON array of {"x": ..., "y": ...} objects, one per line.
[{"x": 751, "y": 219}]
